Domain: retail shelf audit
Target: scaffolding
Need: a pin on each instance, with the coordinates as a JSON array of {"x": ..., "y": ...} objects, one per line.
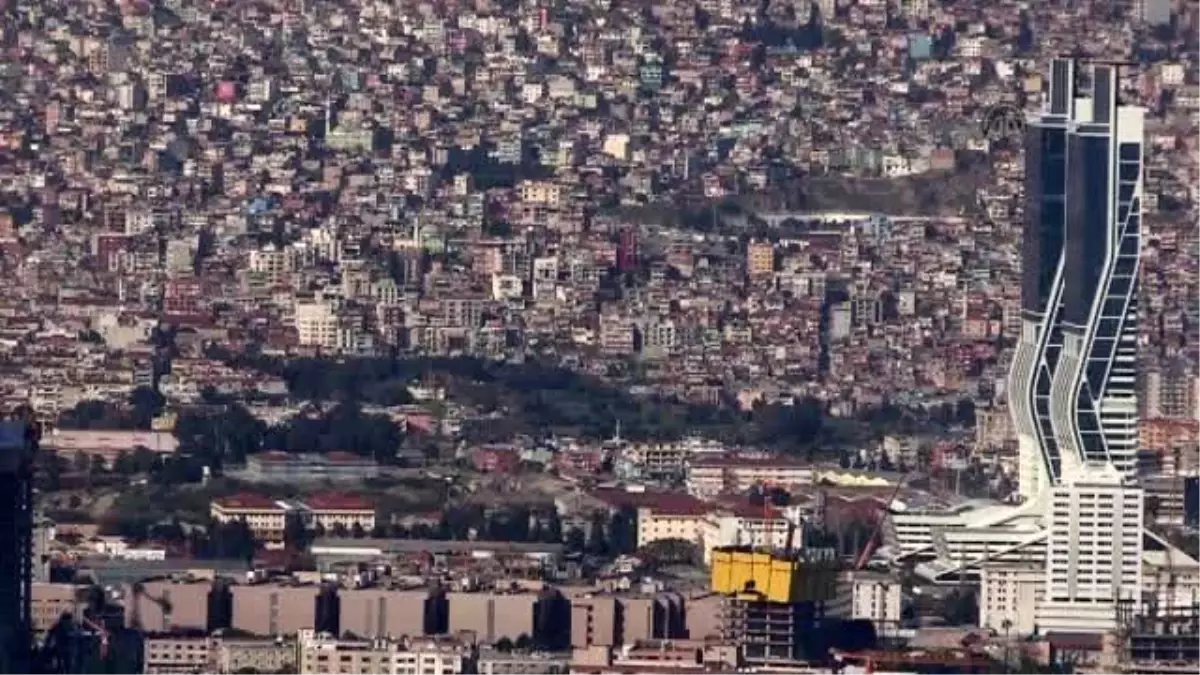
[{"x": 772, "y": 600}]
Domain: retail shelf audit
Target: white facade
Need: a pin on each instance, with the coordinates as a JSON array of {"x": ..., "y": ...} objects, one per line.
[
  {"x": 1093, "y": 550},
  {"x": 317, "y": 325},
  {"x": 876, "y": 598},
  {"x": 709, "y": 477},
  {"x": 1009, "y": 596},
  {"x": 323, "y": 653}
]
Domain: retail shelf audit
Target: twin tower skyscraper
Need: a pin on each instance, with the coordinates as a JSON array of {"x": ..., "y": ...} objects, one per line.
[{"x": 1073, "y": 385}]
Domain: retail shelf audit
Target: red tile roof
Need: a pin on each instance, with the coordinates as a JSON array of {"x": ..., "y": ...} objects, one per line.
[
  {"x": 660, "y": 502},
  {"x": 335, "y": 501},
  {"x": 248, "y": 501}
]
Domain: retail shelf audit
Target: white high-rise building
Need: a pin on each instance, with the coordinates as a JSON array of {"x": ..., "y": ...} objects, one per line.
[{"x": 1093, "y": 550}]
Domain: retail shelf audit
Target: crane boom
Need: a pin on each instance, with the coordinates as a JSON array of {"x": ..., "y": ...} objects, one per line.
[{"x": 869, "y": 546}]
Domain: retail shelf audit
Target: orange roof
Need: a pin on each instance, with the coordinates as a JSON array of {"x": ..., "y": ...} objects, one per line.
[
  {"x": 336, "y": 501},
  {"x": 675, "y": 503},
  {"x": 248, "y": 501}
]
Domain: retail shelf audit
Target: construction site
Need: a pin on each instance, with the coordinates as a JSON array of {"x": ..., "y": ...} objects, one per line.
[
  {"x": 774, "y": 609},
  {"x": 1160, "y": 641}
]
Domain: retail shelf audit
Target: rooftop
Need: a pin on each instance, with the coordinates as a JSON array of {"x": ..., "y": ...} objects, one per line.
[
  {"x": 248, "y": 500},
  {"x": 337, "y": 501}
]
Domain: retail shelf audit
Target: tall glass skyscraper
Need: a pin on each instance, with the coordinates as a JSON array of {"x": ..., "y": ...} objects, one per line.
[
  {"x": 18, "y": 442},
  {"x": 1038, "y": 348},
  {"x": 1072, "y": 389}
]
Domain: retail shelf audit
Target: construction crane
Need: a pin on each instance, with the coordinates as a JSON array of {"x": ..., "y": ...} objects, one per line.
[
  {"x": 139, "y": 591},
  {"x": 869, "y": 546}
]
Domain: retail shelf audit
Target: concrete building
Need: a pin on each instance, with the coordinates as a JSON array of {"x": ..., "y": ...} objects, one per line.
[
  {"x": 876, "y": 598},
  {"x": 323, "y": 653},
  {"x": 318, "y": 325},
  {"x": 379, "y": 613},
  {"x": 492, "y": 662},
  {"x": 108, "y": 443},
  {"x": 235, "y": 655},
  {"x": 265, "y": 517},
  {"x": 1093, "y": 552},
  {"x": 1009, "y": 596},
  {"x": 708, "y": 477},
  {"x": 702, "y": 616},
  {"x": 178, "y": 654},
  {"x": 611, "y": 620},
  {"x": 760, "y": 260},
  {"x": 48, "y": 602},
  {"x": 492, "y": 616},
  {"x": 167, "y": 606},
  {"x": 271, "y": 610},
  {"x": 287, "y": 466}
]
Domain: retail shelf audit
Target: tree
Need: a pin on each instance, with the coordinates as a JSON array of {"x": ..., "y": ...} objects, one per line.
[
  {"x": 339, "y": 530},
  {"x": 82, "y": 462},
  {"x": 124, "y": 464},
  {"x": 965, "y": 412},
  {"x": 1153, "y": 506},
  {"x": 523, "y": 642},
  {"x": 145, "y": 460},
  {"x": 504, "y": 645},
  {"x": 146, "y": 403},
  {"x": 671, "y": 552},
  {"x": 357, "y": 531},
  {"x": 576, "y": 540},
  {"x": 597, "y": 544},
  {"x": 554, "y": 532},
  {"x": 960, "y": 607},
  {"x": 295, "y": 534},
  {"x": 54, "y": 466},
  {"x": 623, "y": 531}
]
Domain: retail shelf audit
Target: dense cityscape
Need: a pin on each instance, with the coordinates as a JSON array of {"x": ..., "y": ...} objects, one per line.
[{"x": 553, "y": 336}]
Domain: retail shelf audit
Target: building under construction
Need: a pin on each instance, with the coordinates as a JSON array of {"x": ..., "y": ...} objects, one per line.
[
  {"x": 774, "y": 602},
  {"x": 1161, "y": 641}
]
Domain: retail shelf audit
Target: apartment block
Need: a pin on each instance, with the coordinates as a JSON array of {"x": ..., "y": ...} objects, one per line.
[
  {"x": 167, "y": 606},
  {"x": 176, "y": 654},
  {"x": 274, "y": 610},
  {"x": 323, "y": 653},
  {"x": 492, "y": 616},
  {"x": 708, "y": 477},
  {"x": 48, "y": 602},
  {"x": 267, "y": 518},
  {"x": 380, "y": 613}
]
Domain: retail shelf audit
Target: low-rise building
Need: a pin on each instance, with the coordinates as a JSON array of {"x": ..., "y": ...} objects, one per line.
[
  {"x": 709, "y": 476},
  {"x": 178, "y": 654},
  {"x": 270, "y": 467},
  {"x": 323, "y": 653},
  {"x": 265, "y": 517}
]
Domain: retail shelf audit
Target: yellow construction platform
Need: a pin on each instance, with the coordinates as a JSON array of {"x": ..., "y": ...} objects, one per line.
[{"x": 757, "y": 575}]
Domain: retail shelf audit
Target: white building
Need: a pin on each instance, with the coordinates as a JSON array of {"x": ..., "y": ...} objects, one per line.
[
  {"x": 876, "y": 598},
  {"x": 1093, "y": 550},
  {"x": 317, "y": 324},
  {"x": 1009, "y": 596},
  {"x": 709, "y": 476},
  {"x": 324, "y": 653}
]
